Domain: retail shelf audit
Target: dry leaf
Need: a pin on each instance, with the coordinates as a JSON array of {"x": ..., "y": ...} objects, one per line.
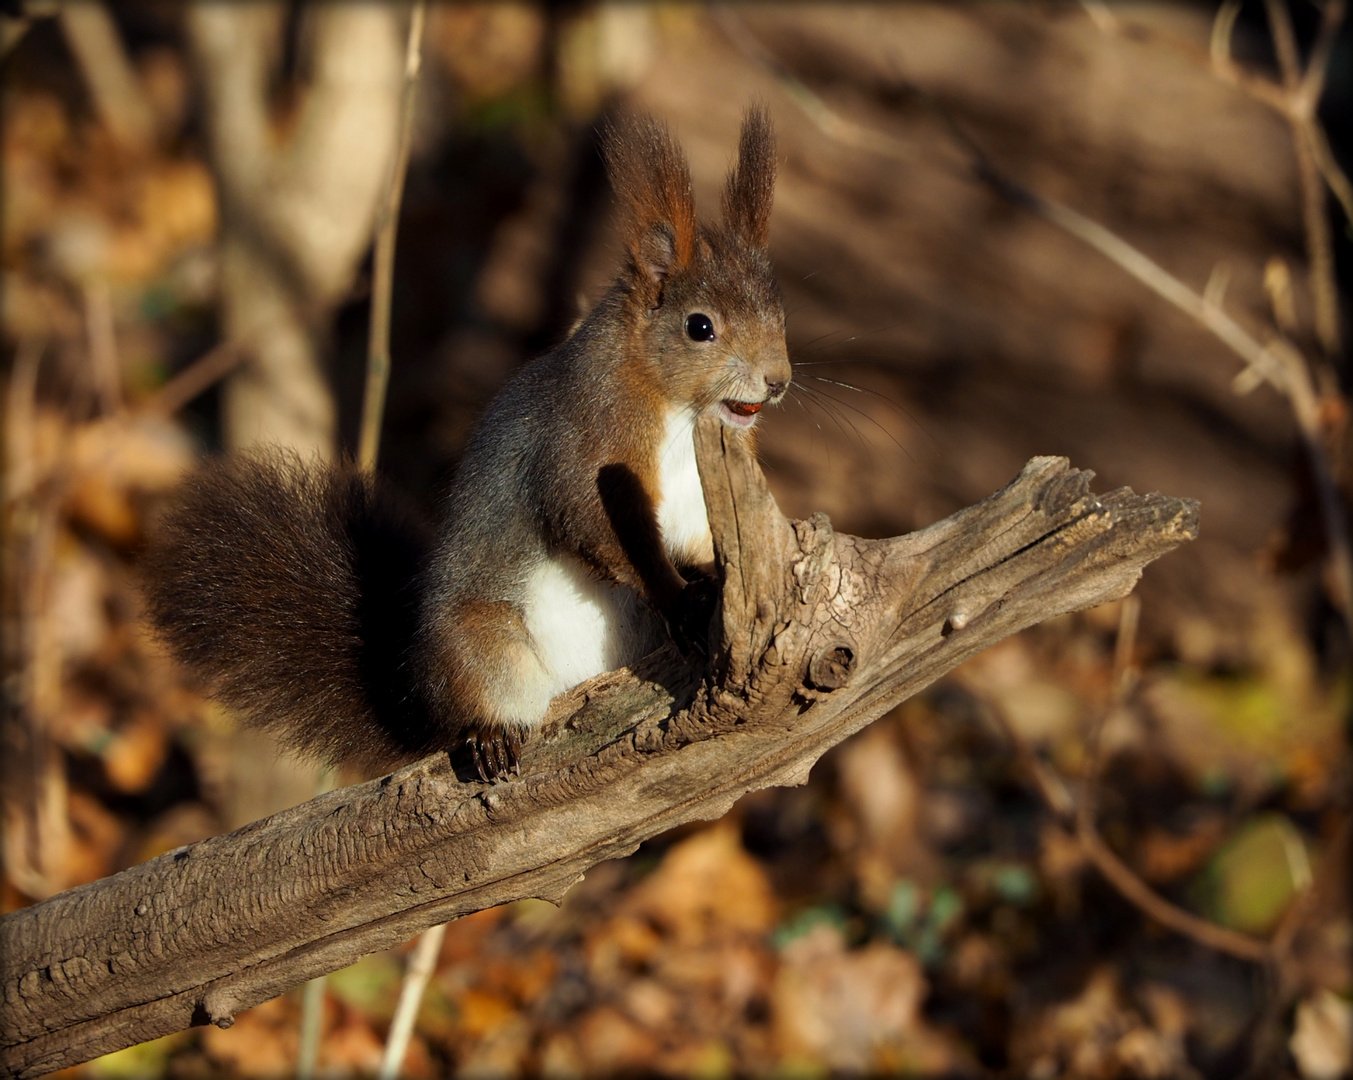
[
  {"x": 704, "y": 882},
  {"x": 610, "y": 1042},
  {"x": 850, "y": 1011},
  {"x": 136, "y": 753},
  {"x": 1323, "y": 1040}
]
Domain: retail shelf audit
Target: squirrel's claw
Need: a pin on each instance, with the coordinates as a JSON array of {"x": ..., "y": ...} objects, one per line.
[{"x": 496, "y": 751}]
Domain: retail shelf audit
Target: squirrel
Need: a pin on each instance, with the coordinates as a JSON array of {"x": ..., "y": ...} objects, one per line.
[{"x": 574, "y": 535}]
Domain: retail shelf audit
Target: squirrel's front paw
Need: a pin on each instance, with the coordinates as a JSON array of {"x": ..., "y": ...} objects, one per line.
[
  {"x": 689, "y": 624},
  {"x": 496, "y": 750}
]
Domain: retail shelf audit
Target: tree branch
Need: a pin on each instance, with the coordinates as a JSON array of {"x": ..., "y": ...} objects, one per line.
[{"x": 819, "y": 634}]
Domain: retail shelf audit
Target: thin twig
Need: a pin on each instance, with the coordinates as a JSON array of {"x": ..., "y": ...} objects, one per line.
[
  {"x": 1114, "y": 870},
  {"x": 1284, "y": 43},
  {"x": 422, "y": 963},
  {"x": 1080, "y": 812},
  {"x": 373, "y": 410},
  {"x": 387, "y": 221},
  {"x": 1302, "y": 90},
  {"x": 1123, "y": 682},
  {"x": 212, "y": 366},
  {"x": 1295, "y": 108},
  {"x": 1279, "y": 362},
  {"x": 113, "y": 83},
  {"x": 101, "y": 343},
  {"x": 209, "y": 368},
  {"x": 1329, "y": 873},
  {"x": 848, "y": 132},
  {"x": 312, "y": 1027},
  {"x": 312, "y": 997},
  {"x": 1052, "y": 789},
  {"x": 839, "y": 128},
  {"x": 1317, "y": 64},
  {"x": 1334, "y": 176},
  {"x": 1297, "y": 99},
  {"x": 1135, "y": 890},
  {"x": 1260, "y": 87},
  {"x": 1066, "y": 807}
]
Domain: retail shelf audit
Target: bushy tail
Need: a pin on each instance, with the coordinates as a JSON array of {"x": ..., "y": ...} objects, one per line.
[{"x": 292, "y": 591}]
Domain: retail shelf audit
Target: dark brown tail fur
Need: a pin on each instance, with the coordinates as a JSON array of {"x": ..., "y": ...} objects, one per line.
[{"x": 292, "y": 591}]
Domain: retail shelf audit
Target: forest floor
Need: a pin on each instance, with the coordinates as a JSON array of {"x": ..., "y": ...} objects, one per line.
[{"x": 916, "y": 908}]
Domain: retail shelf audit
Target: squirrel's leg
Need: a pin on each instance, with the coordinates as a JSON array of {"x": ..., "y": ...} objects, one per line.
[
  {"x": 487, "y": 680},
  {"x": 497, "y": 665}
]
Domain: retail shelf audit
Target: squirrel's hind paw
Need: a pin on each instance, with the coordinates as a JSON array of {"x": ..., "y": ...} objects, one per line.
[{"x": 496, "y": 751}]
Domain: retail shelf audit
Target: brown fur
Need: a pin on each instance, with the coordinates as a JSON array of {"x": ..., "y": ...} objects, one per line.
[
  {"x": 318, "y": 609},
  {"x": 651, "y": 179},
  {"x": 750, "y": 188},
  {"x": 292, "y": 591}
]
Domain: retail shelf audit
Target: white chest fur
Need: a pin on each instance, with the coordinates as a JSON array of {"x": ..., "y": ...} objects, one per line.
[
  {"x": 680, "y": 498},
  {"x": 580, "y": 626}
]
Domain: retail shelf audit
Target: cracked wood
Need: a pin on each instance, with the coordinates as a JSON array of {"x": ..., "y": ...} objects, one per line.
[{"x": 819, "y": 633}]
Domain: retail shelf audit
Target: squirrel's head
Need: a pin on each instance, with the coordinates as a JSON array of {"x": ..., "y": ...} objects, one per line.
[{"x": 702, "y": 301}]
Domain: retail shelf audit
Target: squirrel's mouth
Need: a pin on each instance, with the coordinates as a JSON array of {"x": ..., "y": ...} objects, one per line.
[{"x": 739, "y": 413}]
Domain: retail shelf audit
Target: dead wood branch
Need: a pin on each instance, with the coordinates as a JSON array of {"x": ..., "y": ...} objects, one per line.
[{"x": 819, "y": 634}]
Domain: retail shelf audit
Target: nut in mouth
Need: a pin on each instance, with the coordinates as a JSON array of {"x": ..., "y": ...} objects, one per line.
[{"x": 740, "y": 414}]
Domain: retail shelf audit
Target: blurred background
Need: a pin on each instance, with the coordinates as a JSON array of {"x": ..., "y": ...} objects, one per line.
[{"x": 189, "y": 193}]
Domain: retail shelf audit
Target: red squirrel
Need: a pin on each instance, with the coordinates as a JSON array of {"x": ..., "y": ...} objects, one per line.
[{"x": 574, "y": 534}]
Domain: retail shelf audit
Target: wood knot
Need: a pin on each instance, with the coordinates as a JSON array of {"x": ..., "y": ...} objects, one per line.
[
  {"x": 217, "y": 1007},
  {"x": 832, "y": 666}
]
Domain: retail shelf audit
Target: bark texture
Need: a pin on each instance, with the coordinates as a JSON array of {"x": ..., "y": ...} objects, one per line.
[
  {"x": 298, "y": 205},
  {"x": 819, "y": 634}
]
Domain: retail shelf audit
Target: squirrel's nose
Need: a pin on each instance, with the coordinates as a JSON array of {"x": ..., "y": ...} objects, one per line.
[{"x": 775, "y": 388}]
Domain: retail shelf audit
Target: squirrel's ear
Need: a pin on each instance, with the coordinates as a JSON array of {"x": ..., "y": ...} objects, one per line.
[
  {"x": 653, "y": 183},
  {"x": 751, "y": 184}
]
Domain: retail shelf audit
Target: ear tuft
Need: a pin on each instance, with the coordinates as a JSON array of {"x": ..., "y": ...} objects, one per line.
[
  {"x": 751, "y": 184},
  {"x": 651, "y": 179}
]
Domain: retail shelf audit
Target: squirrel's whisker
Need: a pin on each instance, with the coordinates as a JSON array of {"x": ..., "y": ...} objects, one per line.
[
  {"x": 835, "y": 415},
  {"x": 860, "y": 412}
]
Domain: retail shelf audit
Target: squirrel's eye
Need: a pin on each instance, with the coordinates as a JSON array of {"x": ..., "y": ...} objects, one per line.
[{"x": 699, "y": 327}]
